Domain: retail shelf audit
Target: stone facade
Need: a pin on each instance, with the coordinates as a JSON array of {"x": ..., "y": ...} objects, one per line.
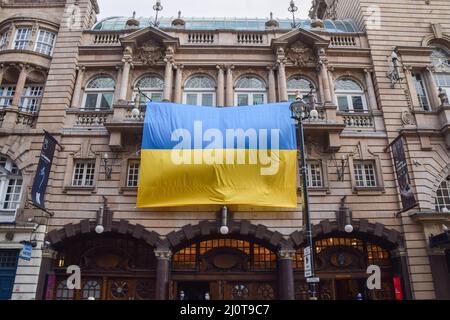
[{"x": 90, "y": 121}]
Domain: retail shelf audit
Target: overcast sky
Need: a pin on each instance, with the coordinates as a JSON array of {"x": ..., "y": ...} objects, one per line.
[{"x": 204, "y": 8}]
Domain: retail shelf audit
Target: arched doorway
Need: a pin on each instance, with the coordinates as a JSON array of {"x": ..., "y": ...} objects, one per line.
[
  {"x": 228, "y": 268},
  {"x": 113, "y": 267},
  {"x": 341, "y": 262}
]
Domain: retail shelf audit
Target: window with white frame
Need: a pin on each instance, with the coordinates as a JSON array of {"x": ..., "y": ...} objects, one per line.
[
  {"x": 83, "y": 173},
  {"x": 422, "y": 93},
  {"x": 4, "y": 40},
  {"x": 31, "y": 99},
  {"x": 22, "y": 38},
  {"x": 350, "y": 96},
  {"x": 10, "y": 189},
  {"x": 302, "y": 85},
  {"x": 443, "y": 196},
  {"x": 365, "y": 173},
  {"x": 99, "y": 94},
  {"x": 133, "y": 173},
  {"x": 250, "y": 91},
  {"x": 7, "y": 95},
  {"x": 440, "y": 59},
  {"x": 152, "y": 86},
  {"x": 315, "y": 174},
  {"x": 200, "y": 90},
  {"x": 45, "y": 42}
]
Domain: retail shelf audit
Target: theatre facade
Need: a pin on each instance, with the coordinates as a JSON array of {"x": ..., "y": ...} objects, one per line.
[{"x": 64, "y": 72}]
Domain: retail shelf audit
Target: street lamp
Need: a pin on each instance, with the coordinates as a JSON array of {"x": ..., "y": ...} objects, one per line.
[
  {"x": 293, "y": 9},
  {"x": 299, "y": 112}
]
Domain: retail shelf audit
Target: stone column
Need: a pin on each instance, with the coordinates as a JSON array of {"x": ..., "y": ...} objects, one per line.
[
  {"x": 230, "y": 90},
  {"x": 282, "y": 82},
  {"x": 331, "y": 82},
  {"x": 2, "y": 71},
  {"x": 47, "y": 264},
  {"x": 168, "y": 75},
  {"x": 78, "y": 84},
  {"x": 370, "y": 90},
  {"x": 20, "y": 85},
  {"x": 433, "y": 90},
  {"x": 127, "y": 62},
  {"x": 286, "y": 274},
  {"x": 119, "y": 69},
  {"x": 220, "y": 86},
  {"x": 439, "y": 270},
  {"x": 325, "y": 81},
  {"x": 178, "y": 85},
  {"x": 411, "y": 86},
  {"x": 272, "y": 85},
  {"x": 163, "y": 257},
  {"x": 12, "y": 35},
  {"x": 320, "y": 96}
]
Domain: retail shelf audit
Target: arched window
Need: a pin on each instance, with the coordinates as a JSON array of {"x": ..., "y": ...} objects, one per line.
[
  {"x": 250, "y": 91},
  {"x": 443, "y": 196},
  {"x": 299, "y": 84},
  {"x": 152, "y": 86},
  {"x": 10, "y": 189},
  {"x": 350, "y": 96},
  {"x": 440, "y": 59},
  {"x": 99, "y": 94},
  {"x": 200, "y": 90}
]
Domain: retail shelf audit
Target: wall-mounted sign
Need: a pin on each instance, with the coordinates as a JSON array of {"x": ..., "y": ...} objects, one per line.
[
  {"x": 403, "y": 180},
  {"x": 43, "y": 171},
  {"x": 26, "y": 251},
  {"x": 307, "y": 262}
]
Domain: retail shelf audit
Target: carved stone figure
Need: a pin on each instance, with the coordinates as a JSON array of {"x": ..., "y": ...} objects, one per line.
[
  {"x": 149, "y": 53},
  {"x": 299, "y": 54}
]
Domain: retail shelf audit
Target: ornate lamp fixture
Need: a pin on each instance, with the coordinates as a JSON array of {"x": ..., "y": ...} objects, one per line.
[
  {"x": 293, "y": 9},
  {"x": 157, "y": 7}
]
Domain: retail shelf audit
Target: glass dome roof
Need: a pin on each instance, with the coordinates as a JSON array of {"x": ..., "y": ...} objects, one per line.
[{"x": 246, "y": 24}]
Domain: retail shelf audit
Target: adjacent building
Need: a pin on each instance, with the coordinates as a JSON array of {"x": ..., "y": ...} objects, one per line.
[{"x": 375, "y": 70}]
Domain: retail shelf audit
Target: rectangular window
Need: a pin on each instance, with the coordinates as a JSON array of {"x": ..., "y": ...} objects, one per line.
[
  {"x": 351, "y": 103},
  {"x": 315, "y": 177},
  {"x": 83, "y": 173},
  {"x": 242, "y": 100},
  {"x": 343, "y": 103},
  {"x": 45, "y": 42},
  {"x": 12, "y": 195},
  {"x": 258, "y": 99},
  {"x": 191, "y": 99},
  {"x": 3, "y": 41},
  {"x": 421, "y": 90},
  {"x": 443, "y": 81},
  {"x": 133, "y": 173},
  {"x": 22, "y": 36},
  {"x": 31, "y": 99},
  {"x": 207, "y": 100},
  {"x": 98, "y": 101},
  {"x": 365, "y": 174},
  {"x": 6, "y": 95}
]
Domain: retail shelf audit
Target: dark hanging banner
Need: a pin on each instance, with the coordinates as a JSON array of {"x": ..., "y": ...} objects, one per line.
[
  {"x": 43, "y": 171},
  {"x": 401, "y": 168}
]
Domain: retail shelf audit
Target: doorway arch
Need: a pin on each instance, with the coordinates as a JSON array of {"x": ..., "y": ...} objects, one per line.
[
  {"x": 341, "y": 260},
  {"x": 119, "y": 264},
  {"x": 241, "y": 265}
]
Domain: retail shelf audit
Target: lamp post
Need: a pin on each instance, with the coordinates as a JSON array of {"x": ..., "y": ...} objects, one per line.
[
  {"x": 300, "y": 112},
  {"x": 293, "y": 9}
]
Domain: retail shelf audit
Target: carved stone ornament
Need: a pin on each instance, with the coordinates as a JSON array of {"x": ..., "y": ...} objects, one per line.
[
  {"x": 407, "y": 118},
  {"x": 299, "y": 54},
  {"x": 149, "y": 53}
]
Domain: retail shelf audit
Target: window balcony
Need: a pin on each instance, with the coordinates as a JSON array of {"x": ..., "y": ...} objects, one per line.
[{"x": 434, "y": 122}]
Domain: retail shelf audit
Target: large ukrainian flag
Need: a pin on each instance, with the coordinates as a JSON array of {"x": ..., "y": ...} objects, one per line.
[{"x": 200, "y": 155}]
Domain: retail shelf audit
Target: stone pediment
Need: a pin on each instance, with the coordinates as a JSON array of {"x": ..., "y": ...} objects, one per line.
[
  {"x": 147, "y": 35},
  {"x": 308, "y": 38},
  {"x": 300, "y": 53}
]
